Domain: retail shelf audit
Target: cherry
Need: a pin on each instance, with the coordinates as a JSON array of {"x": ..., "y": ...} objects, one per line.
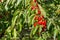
[
  {"x": 35, "y": 24},
  {"x": 34, "y": 0},
  {"x": 44, "y": 22},
  {"x": 40, "y": 18},
  {"x": 33, "y": 8},
  {"x": 39, "y": 12},
  {"x": 40, "y": 22}
]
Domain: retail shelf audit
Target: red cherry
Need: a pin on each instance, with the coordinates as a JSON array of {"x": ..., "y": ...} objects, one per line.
[
  {"x": 35, "y": 24},
  {"x": 33, "y": 8},
  {"x": 40, "y": 22},
  {"x": 34, "y": 0},
  {"x": 40, "y": 18},
  {"x": 39, "y": 12},
  {"x": 44, "y": 23}
]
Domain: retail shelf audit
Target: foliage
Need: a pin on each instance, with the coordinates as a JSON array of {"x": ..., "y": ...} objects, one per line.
[{"x": 18, "y": 19}]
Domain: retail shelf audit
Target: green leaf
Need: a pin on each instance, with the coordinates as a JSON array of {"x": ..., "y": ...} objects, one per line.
[
  {"x": 40, "y": 38},
  {"x": 33, "y": 31},
  {"x": 58, "y": 38},
  {"x": 13, "y": 21},
  {"x": 40, "y": 28},
  {"x": 16, "y": 13},
  {"x": 27, "y": 3},
  {"x": 55, "y": 33},
  {"x": 48, "y": 25},
  {"x": 15, "y": 33},
  {"x": 6, "y": 7},
  {"x": 13, "y": 1},
  {"x": 42, "y": 10},
  {"x": 44, "y": 35},
  {"x": 31, "y": 19},
  {"x": 18, "y": 1},
  {"x": 20, "y": 27}
]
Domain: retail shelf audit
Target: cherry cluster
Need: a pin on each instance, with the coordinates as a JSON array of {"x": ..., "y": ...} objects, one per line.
[{"x": 39, "y": 18}]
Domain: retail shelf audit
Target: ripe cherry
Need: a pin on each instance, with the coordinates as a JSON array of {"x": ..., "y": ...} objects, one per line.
[
  {"x": 35, "y": 24},
  {"x": 44, "y": 22},
  {"x": 40, "y": 22},
  {"x": 33, "y": 8},
  {"x": 40, "y": 18},
  {"x": 34, "y": 0},
  {"x": 39, "y": 12}
]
